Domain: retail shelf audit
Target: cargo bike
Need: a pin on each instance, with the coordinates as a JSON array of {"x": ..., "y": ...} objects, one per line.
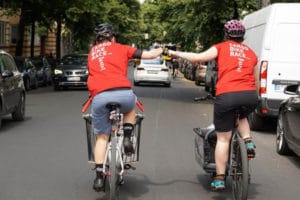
[
  {"x": 116, "y": 161},
  {"x": 238, "y": 162}
]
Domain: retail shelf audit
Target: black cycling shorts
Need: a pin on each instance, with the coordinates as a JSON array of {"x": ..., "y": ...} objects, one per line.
[{"x": 226, "y": 107}]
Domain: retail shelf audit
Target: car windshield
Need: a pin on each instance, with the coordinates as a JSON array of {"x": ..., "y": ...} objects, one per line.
[
  {"x": 38, "y": 63},
  {"x": 74, "y": 60},
  {"x": 156, "y": 61}
]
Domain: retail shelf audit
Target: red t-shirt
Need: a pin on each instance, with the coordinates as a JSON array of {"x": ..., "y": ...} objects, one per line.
[
  {"x": 236, "y": 62},
  {"x": 107, "y": 65}
]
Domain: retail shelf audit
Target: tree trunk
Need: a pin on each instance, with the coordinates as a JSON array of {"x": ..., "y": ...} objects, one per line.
[
  {"x": 32, "y": 39},
  {"x": 58, "y": 39},
  {"x": 21, "y": 29}
]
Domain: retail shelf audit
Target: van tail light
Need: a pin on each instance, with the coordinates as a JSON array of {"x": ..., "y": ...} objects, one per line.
[
  {"x": 140, "y": 68},
  {"x": 263, "y": 77},
  {"x": 165, "y": 69}
]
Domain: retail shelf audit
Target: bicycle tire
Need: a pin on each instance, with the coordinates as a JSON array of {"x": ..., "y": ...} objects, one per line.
[
  {"x": 240, "y": 172},
  {"x": 113, "y": 176}
]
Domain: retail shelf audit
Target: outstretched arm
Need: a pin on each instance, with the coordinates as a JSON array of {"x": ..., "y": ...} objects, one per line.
[
  {"x": 153, "y": 53},
  {"x": 204, "y": 56}
]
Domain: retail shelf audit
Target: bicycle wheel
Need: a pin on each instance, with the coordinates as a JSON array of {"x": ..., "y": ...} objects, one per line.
[
  {"x": 240, "y": 169},
  {"x": 113, "y": 176}
]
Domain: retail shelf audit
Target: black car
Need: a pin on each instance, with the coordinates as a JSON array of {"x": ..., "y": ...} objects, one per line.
[
  {"x": 12, "y": 90},
  {"x": 288, "y": 123},
  {"x": 29, "y": 72},
  {"x": 44, "y": 72},
  {"x": 71, "y": 72}
]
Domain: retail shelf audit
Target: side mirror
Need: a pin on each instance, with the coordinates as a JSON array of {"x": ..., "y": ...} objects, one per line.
[
  {"x": 7, "y": 74},
  {"x": 292, "y": 89}
]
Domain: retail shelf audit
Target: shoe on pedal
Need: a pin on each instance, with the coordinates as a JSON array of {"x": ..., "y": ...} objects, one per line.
[
  {"x": 98, "y": 183},
  {"x": 128, "y": 146},
  {"x": 250, "y": 146},
  {"x": 217, "y": 185}
]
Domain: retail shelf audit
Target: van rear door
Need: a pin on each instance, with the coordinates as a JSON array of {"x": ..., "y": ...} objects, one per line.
[{"x": 284, "y": 62}]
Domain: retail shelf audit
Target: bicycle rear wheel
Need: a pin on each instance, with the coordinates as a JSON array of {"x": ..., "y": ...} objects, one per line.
[{"x": 240, "y": 169}]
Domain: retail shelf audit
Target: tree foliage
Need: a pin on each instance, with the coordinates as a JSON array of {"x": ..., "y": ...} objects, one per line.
[
  {"x": 177, "y": 21},
  {"x": 190, "y": 20}
]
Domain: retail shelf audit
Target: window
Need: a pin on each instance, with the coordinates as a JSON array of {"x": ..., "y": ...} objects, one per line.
[
  {"x": 8, "y": 62},
  {"x": 14, "y": 34},
  {"x": 2, "y": 33}
]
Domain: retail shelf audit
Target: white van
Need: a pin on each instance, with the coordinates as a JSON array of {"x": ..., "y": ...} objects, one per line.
[{"x": 274, "y": 34}]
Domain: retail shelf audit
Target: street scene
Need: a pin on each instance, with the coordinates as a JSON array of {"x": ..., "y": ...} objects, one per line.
[
  {"x": 149, "y": 100},
  {"x": 45, "y": 156}
]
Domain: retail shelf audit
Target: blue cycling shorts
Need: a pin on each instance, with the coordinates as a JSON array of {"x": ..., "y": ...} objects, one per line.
[{"x": 100, "y": 114}]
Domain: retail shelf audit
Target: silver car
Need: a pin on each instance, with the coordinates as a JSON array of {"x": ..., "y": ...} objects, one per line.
[{"x": 153, "y": 71}]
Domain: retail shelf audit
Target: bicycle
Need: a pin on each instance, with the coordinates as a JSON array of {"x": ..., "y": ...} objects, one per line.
[
  {"x": 116, "y": 161},
  {"x": 238, "y": 162}
]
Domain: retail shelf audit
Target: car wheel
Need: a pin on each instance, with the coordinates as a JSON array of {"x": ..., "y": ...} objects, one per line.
[
  {"x": 27, "y": 84},
  {"x": 168, "y": 84},
  {"x": 135, "y": 83},
  {"x": 0, "y": 122},
  {"x": 56, "y": 87},
  {"x": 36, "y": 84},
  {"x": 256, "y": 122},
  {"x": 19, "y": 113},
  {"x": 281, "y": 144}
]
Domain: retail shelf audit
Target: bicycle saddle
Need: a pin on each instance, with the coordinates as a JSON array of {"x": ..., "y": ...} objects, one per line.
[{"x": 113, "y": 105}]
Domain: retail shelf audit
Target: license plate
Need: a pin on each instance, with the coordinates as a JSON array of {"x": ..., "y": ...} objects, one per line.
[
  {"x": 74, "y": 78},
  {"x": 279, "y": 88},
  {"x": 152, "y": 72}
]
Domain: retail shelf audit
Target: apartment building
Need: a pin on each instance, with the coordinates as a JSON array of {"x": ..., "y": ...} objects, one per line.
[{"x": 43, "y": 44}]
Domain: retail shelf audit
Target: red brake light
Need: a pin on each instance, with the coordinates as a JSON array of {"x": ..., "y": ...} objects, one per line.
[{"x": 263, "y": 77}]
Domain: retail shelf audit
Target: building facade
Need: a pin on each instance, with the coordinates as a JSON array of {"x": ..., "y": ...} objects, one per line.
[{"x": 43, "y": 44}]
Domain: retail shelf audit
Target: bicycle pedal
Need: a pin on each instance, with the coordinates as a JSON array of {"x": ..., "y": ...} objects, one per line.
[{"x": 128, "y": 166}]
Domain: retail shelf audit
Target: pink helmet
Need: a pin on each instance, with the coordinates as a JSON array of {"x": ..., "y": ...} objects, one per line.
[{"x": 234, "y": 28}]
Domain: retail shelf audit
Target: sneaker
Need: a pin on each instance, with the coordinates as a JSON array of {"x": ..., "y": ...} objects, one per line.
[
  {"x": 217, "y": 185},
  {"x": 98, "y": 183},
  {"x": 128, "y": 146},
  {"x": 250, "y": 146}
]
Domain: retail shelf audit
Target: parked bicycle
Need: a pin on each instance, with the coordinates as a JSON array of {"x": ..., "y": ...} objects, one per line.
[
  {"x": 116, "y": 161},
  {"x": 238, "y": 162}
]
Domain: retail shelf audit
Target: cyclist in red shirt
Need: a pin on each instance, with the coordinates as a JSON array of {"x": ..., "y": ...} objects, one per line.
[
  {"x": 108, "y": 82},
  {"x": 237, "y": 86}
]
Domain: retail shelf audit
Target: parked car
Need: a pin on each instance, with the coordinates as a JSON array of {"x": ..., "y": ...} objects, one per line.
[
  {"x": 71, "y": 72},
  {"x": 200, "y": 73},
  {"x": 152, "y": 71},
  {"x": 288, "y": 126},
  {"x": 211, "y": 77},
  {"x": 12, "y": 90},
  {"x": 44, "y": 74},
  {"x": 29, "y": 72}
]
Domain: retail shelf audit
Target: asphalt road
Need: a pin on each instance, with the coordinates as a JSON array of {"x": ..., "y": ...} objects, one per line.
[{"x": 45, "y": 157}]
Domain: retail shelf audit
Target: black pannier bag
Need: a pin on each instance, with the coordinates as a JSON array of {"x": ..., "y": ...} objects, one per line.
[{"x": 205, "y": 142}]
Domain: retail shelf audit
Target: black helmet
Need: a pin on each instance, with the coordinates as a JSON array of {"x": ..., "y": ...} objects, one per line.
[{"x": 104, "y": 32}]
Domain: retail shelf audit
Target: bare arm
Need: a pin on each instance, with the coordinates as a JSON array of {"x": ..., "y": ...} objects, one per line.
[
  {"x": 153, "y": 53},
  {"x": 204, "y": 56}
]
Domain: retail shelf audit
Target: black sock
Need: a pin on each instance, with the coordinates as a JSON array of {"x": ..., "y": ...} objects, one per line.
[{"x": 128, "y": 128}]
